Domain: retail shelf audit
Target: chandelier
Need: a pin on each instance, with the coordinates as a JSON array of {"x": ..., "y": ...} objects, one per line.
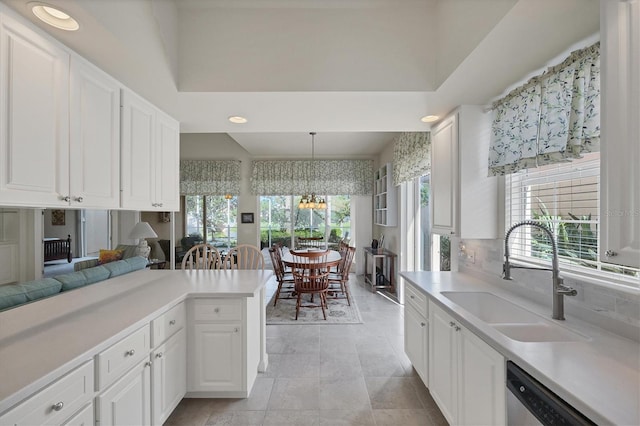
[{"x": 310, "y": 200}]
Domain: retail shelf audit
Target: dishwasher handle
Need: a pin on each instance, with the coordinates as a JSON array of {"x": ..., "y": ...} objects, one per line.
[{"x": 545, "y": 405}]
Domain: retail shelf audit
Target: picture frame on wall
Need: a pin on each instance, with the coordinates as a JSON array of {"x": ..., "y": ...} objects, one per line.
[
  {"x": 58, "y": 217},
  {"x": 246, "y": 217}
]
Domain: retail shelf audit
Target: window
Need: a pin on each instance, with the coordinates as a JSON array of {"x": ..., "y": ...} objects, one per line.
[
  {"x": 565, "y": 198},
  {"x": 281, "y": 220},
  {"x": 212, "y": 218}
]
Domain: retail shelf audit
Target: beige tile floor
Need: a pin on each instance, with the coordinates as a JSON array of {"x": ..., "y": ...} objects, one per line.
[{"x": 354, "y": 374}]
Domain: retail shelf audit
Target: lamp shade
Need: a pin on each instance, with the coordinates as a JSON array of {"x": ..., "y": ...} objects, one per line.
[{"x": 142, "y": 230}]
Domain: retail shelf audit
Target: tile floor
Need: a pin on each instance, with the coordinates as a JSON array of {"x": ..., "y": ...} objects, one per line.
[{"x": 353, "y": 374}]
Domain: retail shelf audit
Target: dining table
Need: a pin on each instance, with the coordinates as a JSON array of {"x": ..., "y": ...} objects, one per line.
[{"x": 333, "y": 257}]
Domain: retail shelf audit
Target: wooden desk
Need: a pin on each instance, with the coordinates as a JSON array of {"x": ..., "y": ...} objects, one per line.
[{"x": 388, "y": 260}]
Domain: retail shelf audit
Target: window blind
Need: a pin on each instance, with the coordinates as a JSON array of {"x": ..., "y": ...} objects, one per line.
[{"x": 565, "y": 198}]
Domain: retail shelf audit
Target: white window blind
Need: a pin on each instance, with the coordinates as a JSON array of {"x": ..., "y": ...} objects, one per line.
[{"x": 565, "y": 198}]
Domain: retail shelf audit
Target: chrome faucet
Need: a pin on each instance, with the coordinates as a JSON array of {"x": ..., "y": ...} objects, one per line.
[{"x": 559, "y": 289}]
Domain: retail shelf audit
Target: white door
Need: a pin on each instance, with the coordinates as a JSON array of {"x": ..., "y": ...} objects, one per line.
[
  {"x": 34, "y": 118},
  {"x": 443, "y": 362},
  {"x": 481, "y": 382},
  {"x": 169, "y": 376},
  {"x": 94, "y": 138},
  {"x": 127, "y": 401},
  {"x": 167, "y": 162},
  {"x": 415, "y": 340},
  {"x": 137, "y": 152},
  {"x": 216, "y": 359}
]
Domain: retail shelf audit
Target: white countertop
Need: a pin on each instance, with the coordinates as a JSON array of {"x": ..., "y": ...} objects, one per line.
[
  {"x": 43, "y": 340},
  {"x": 600, "y": 377}
]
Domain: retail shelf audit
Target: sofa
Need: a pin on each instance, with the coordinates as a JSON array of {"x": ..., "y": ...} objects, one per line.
[
  {"x": 128, "y": 251},
  {"x": 13, "y": 295}
]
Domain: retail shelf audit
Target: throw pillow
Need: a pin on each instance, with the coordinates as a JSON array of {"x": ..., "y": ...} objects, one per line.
[{"x": 107, "y": 256}]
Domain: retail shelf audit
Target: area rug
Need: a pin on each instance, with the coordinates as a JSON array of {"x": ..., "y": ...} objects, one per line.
[{"x": 338, "y": 312}]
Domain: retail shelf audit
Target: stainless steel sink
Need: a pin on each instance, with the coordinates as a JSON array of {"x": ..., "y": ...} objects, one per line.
[{"x": 511, "y": 320}]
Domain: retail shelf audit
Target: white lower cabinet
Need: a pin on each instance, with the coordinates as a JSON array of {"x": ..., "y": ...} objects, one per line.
[
  {"x": 128, "y": 400},
  {"x": 466, "y": 375},
  {"x": 216, "y": 361},
  {"x": 416, "y": 331},
  {"x": 84, "y": 417},
  {"x": 169, "y": 376}
]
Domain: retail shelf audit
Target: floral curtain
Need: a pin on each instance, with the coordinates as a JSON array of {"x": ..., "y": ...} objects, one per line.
[
  {"x": 553, "y": 118},
  {"x": 323, "y": 177},
  {"x": 411, "y": 156},
  {"x": 209, "y": 177}
]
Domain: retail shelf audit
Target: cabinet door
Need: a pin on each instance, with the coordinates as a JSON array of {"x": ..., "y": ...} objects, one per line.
[
  {"x": 167, "y": 164},
  {"x": 83, "y": 417},
  {"x": 137, "y": 152},
  {"x": 169, "y": 380},
  {"x": 34, "y": 118},
  {"x": 216, "y": 358},
  {"x": 620, "y": 119},
  {"x": 444, "y": 176},
  {"x": 443, "y": 362},
  {"x": 416, "y": 341},
  {"x": 95, "y": 137},
  {"x": 127, "y": 401},
  {"x": 481, "y": 382}
]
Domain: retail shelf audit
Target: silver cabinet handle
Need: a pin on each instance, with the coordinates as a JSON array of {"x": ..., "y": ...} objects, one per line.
[
  {"x": 216, "y": 310},
  {"x": 451, "y": 323},
  {"x": 610, "y": 253},
  {"x": 457, "y": 328},
  {"x": 422, "y": 324},
  {"x": 79, "y": 199},
  {"x": 411, "y": 297},
  {"x": 159, "y": 355},
  {"x": 236, "y": 329},
  {"x": 172, "y": 322},
  {"x": 130, "y": 352},
  {"x": 58, "y": 406},
  {"x": 65, "y": 198},
  {"x": 148, "y": 364},
  {"x": 160, "y": 204}
]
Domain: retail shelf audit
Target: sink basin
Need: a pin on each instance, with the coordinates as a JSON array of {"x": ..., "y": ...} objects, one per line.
[
  {"x": 490, "y": 308},
  {"x": 538, "y": 333},
  {"x": 511, "y": 320}
]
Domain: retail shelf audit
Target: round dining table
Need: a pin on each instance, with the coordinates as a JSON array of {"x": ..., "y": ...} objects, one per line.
[{"x": 333, "y": 257}]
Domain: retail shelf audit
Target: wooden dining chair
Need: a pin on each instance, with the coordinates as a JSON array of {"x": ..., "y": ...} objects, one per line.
[
  {"x": 311, "y": 276},
  {"x": 201, "y": 256},
  {"x": 244, "y": 256},
  {"x": 285, "y": 279},
  {"x": 339, "y": 281}
]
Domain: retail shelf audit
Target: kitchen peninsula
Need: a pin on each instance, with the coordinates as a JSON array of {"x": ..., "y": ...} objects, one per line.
[{"x": 131, "y": 338}]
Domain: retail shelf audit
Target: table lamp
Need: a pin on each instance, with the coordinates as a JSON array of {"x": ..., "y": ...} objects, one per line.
[{"x": 141, "y": 231}]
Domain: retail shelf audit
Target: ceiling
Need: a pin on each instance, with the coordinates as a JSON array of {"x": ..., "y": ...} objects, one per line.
[{"x": 355, "y": 71}]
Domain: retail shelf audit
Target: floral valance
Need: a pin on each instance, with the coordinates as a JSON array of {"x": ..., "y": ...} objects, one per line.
[
  {"x": 209, "y": 177},
  {"x": 323, "y": 177},
  {"x": 411, "y": 156},
  {"x": 554, "y": 117}
]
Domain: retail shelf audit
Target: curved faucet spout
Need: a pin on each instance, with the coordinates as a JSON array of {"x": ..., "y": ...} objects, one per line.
[{"x": 559, "y": 289}]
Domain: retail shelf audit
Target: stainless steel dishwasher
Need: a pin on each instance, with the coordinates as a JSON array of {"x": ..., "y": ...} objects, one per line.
[{"x": 530, "y": 403}]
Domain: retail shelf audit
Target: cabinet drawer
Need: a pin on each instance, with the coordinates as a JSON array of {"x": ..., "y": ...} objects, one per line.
[
  {"x": 416, "y": 299},
  {"x": 217, "y": 309},
  {"x": 167, "y": 324},
  {"x": 56, "y": 402},
  {"x": 115, "y": 361}
]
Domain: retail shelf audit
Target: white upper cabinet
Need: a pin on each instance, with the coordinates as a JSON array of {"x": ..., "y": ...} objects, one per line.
[
  {"x": 95, "y": 137},
  {"x": 620, "y": 132},
  {"x": 463, "y": 197},
  {"x": 34, "y": 117},
  {"x": 150, "y": 156},
  {"x": 384, "y": 197}
]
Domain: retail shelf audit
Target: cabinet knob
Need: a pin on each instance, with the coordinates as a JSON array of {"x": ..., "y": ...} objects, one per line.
[
  {"x": 216, "y": 310},
  {"x": 172, "y": 322},
  {"x": 65, "y": 198},
  {"x": 452, "y": 232},
  {"x": 457, "y": 328},
  {"x": 610, "y": 253},
  {"x": 236, "y": 329},
  {"x": 159, "y": 355},
  {"x": 58, "y": 406},
  {"x": 148, "y": 364},
  {"x": 422, "y": 324},
  {"x": 451, "y": 323},
  {"x": 411, "y": 297},
  {"x": 160, "y": 204},
  {"x": 79, "y": 199},
  {"x": 130, "y": 352}
]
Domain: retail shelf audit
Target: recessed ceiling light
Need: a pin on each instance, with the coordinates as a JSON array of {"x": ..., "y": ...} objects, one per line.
[
  {"x": 429, "y": 118},
  {"x": 237, "y": 119},
  {"x": 54, "y": 16}
]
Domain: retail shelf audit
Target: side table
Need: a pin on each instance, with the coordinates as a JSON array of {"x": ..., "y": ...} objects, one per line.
[{"x": 387, "y": 259}]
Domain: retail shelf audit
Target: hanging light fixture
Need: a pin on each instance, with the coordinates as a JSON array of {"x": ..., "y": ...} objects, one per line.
[{"x": 310, "y": 200}]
